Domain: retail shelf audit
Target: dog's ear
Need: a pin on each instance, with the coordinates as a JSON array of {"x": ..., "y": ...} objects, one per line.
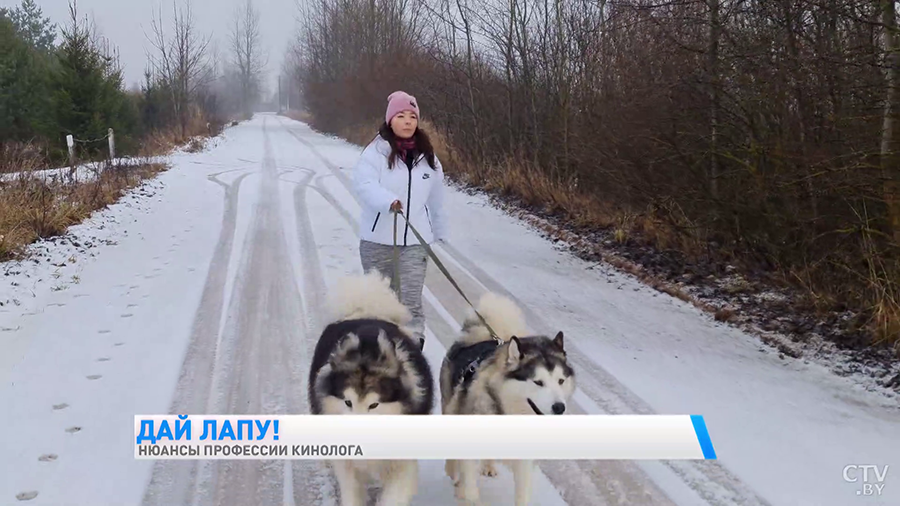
[
  {"x": 558, "y": 341},
  {"x": 346, "y": 344},
  {"x": 386, "y": 347},
  {"x": 387, "y": 353},
  {"x": 514, "y": 351}
]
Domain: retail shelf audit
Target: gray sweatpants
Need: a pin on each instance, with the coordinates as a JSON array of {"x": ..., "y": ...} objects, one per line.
[{"x": 413, "y": 265}]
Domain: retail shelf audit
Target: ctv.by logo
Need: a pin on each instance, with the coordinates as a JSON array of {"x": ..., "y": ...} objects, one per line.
[{"x": 872, "y": 478}]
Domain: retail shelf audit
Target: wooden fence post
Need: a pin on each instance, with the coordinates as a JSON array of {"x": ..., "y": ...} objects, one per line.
[
  {"x": 70, "y": 141},
  {"x": 112, "y": 145}
]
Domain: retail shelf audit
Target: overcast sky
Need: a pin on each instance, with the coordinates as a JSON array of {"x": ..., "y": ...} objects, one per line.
[{"x": 125, "y": 23}]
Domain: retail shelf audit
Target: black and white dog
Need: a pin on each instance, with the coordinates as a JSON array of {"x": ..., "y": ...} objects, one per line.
[
  {"x": 526, "y": 374},
  {"x": 367, "y": 362}
]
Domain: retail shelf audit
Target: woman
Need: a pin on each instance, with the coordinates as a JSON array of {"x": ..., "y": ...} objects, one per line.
[{"x": 399, "y": 172}]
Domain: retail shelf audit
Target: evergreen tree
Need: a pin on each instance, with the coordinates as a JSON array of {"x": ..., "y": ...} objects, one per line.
[
  {"x": 32, "y": 26},
  {"x": 88, "y": 94},
  {"x": 24, "y": 109}
]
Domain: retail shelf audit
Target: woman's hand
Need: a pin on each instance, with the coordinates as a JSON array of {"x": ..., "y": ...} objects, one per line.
[{"x": 397, "y": 206}]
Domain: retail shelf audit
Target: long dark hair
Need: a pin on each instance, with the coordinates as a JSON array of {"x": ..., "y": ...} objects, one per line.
[{"x": 423, "y": 144}]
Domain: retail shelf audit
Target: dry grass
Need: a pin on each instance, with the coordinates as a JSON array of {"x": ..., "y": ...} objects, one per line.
[
  {"x": 17, "y": 156},
  {"x": 301, "y": 116},
  {"x": 31, "y": 208},
  {"x": 196, "y": 145},
  {"x": 161, "y": 142},
  {"x": 883, "y": 287}
]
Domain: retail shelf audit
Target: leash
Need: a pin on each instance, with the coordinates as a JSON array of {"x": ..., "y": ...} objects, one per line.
[
  {"x": 396, "y": 281},
  {"x": 440, "y": 265}
]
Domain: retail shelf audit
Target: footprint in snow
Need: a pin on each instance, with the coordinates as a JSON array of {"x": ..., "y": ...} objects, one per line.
[
  {"x": 27, "y": 496},
  {"x": 94, "y": 377},
  {"x": 127, "y": 315},
  {"x": 48, "y": 457},
  {"x": 118, "y": 344},
  {"x": 73, "y": 430},
  {"x": 104, "y": 331},
  {"x": 132, "y": 305},
  {"x": 57, "y": 407},
  {"x": 103, "y": 359}
]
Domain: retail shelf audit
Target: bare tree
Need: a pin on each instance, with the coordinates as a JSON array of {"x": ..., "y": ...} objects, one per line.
[
  {"x": 182, "y": 61},
  {"x": 247, "y": 54},
  {"x": 748, "y": 130},
  {"x": 890, "y": 137}
]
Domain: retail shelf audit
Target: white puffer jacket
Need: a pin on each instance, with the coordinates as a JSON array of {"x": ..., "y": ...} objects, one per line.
[{"x": 421, "y": 190}]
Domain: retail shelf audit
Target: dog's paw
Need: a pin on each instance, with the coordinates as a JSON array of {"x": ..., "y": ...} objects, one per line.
[
  {"x": 463, "y": 498},
  {"x": 489, "y": 470},
  {"x": 451, "y": 470},
  {"x": 467, "y": 497}
]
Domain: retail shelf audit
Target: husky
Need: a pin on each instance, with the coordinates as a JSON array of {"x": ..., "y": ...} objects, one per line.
[
  {"x": 518, "y": 373},
  {"x": 367, "y": 362}
]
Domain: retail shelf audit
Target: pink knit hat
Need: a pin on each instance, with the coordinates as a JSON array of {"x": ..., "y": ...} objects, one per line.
[{"x": 398, "y": 102}]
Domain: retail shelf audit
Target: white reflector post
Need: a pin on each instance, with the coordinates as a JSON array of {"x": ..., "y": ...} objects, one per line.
[{"x": 429, "y": 437}]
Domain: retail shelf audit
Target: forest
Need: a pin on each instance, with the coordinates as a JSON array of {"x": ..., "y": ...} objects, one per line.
[{"x": 760, "y": 136}]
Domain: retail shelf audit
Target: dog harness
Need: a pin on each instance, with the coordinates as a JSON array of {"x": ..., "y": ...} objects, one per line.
[{"x": 466, "y": 360}]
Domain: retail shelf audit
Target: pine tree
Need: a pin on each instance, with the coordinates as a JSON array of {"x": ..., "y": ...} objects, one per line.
[
  {"x": 32, "y": 26},
  {"x": 88, "y": 97},
  {"x": 24, "y": 111}
]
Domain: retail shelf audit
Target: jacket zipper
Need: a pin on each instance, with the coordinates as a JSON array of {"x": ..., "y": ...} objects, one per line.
[
  {"x": 409, "y": 197},
  {"x": 408, "y": 204},
  {"x": 376, "y": 221}
]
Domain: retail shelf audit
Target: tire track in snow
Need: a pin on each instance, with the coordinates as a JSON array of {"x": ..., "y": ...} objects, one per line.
[
  {"x": 708, "y": 479},
  {"x": 254, "y": 370},
  {"x": 310, "y": 475},
  {"x": 331, "y": 167},
  {"x": 321, "y": 190},
  {"x": 279, "y": 301},
  {"x": 172, "y": 481},
  {"x": 257, "y": 365}
]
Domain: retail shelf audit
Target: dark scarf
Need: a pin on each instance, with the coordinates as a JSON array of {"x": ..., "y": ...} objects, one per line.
[{"x": 406, "y": 147}]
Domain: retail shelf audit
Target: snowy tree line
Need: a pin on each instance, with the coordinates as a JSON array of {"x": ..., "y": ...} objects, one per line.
[{"x": 57, "y": 80}]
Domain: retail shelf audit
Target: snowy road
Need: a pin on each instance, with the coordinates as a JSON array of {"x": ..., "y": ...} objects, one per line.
[{"x": 206, "y": 297}]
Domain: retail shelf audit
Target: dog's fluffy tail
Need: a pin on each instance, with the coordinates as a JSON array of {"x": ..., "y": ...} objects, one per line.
[
  {"x": 367, "y": 296},
  {"x": 501, "y": 313}
]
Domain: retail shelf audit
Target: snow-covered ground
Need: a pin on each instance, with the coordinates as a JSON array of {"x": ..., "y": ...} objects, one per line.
[
  {"x": 84, "y": 172},
  {"x": 200, "y": 292}
]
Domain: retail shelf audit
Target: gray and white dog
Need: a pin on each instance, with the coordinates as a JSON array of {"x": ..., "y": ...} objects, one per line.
[
  {"x": 526, "y": 374},
  {"x": 367, "y": 362}
]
